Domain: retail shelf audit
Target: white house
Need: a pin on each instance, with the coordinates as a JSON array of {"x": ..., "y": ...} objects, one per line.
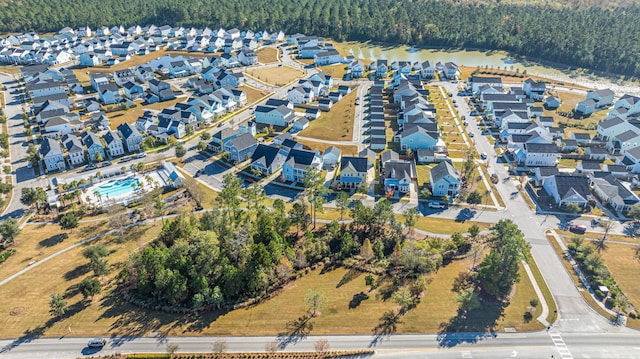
[
  {"x": 445, "y": 180},
  {"x": 567, "y": 189}
]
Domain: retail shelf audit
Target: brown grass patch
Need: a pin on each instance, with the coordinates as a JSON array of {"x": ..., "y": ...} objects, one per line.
[
  {"x": 253, "y": 94},
  {"x": 335, "y": 125},
  {"x": 267, "y": 55},
  {"x": 277, "y": 76},
  {"x": 347, "y": 150},
  {"x": 132, "y": 114}
]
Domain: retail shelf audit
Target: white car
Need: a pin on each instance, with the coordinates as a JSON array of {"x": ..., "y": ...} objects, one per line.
[
  {"x": 436, "y": 205},
  {"x": 97, "y": 343}
]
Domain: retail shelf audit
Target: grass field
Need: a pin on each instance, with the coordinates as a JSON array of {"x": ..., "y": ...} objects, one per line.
[
  {"x": 38, "y": 241},
  {"x": 132, "y": 114},
  {"x": 267, "y": 55},
  {"x": 625, "y": 267},
  {"x": 337, "y": 71},
  {"x": 347, "y": 150},
  {"x": 277, "y": 76},
  {"x": 253, "y": 94},
  {"x": 335, "y": 125},
  {"x": 424, "y": 173}
]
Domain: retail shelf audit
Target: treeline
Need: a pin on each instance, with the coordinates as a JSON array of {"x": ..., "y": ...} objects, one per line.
[{"x": 594, "y": 38}]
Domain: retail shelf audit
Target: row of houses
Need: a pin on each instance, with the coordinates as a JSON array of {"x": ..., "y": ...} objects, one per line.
[
  {"x": 381, "y": 68},
  {"x": 109, "y": 46},
  {"x": 76, "y": 149}
]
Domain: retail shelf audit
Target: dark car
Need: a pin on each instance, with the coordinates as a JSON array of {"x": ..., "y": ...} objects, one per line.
[{"x": 577, "y": 228}]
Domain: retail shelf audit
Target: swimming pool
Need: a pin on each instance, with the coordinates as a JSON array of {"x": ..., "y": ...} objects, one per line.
[{"x": 117, "y": 187}]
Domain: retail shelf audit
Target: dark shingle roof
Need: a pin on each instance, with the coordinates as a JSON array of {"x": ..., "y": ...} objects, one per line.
[{"x": 358, "y": 163}]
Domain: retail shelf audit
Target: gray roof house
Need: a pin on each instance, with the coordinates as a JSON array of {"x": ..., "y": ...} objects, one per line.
[
  {"x": 445, "y": 180},
  {"x": 610, "y": 190},
  {"x": 567, "y": 189},
  {"x": 267, "y": 159},
  {"x": 52, "y": 156},
  {"x": 241, "y": 147}
]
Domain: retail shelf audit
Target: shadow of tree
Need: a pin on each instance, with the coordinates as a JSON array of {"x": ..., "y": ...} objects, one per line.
[
  {"x": 348, "y": 277},
  {"x": 77, "y": 271},
  {"x": 465, "y": 214},
  {"x": 471, "y": 326},
  {"x": 53, "y": 240},
  {"x": 34, "y": 333},
  {"x": 357, "y": 299},
  {"x": 387, "y": 326},
  {"x": 295, "y": 331}
]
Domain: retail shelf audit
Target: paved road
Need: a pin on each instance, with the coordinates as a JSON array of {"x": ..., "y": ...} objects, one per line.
[{"x": 469, "y": 345}]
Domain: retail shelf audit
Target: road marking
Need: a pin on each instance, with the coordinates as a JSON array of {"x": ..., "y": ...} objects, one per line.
[
  {"x": 560, "y": 345},
  {"x": 466, "y": 354}
]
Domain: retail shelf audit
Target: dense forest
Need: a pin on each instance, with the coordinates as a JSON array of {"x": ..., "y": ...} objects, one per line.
[{"x": 594, "y": 38}]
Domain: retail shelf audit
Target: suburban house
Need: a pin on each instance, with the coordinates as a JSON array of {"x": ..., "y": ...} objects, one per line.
[
  {"x": 62, "y": 125},
  {"x": 298, "y": 163},
  {"x": 534, "y": 90},
  {"x": 596, "y": 153},
  {"x": 113, "y": 144},
  {"x": 331, "y": 156},
  {"x": 52, "y": 155},
  {"x": 132, "y": 90},
  {"x": 445, "y": 180},
  {"x": 300, "y": 124},
  {"x": 131, "y": 136},
  {"x": 611, "y": 191},
  {"x": 94, "y": 146},
  {"x": 353, "y": 172},
  {"x": 567, "y": 189},
  {"x": 538, "y": 154},
  {"x": 552, "y": 103},
  {"x": 123, "y": 76},
  {"x": 623, "y": 142},
  {"x": 278, "y": 116},
  {"x": 630, "y": 103},
  {"x": 417, "y": 136},
  {"x": 476, "y": 82},
  {"x": 595, "y": 100},
  {"x": 631, "y": 160},
  {"x": 241, "y": 147},
  {"x": 74, "y": 149},
  {"x": 327, "y": 57},
  {"x": 397, "y": 176},
  {"x": 220, "y": 138},
  {"x": 247, "y": 57},
  {"x": 98, "y": 79},
  {"x": 300, "y": 94},
  {"x": 109, "y": 93},
  {"x": 267, "y": 159}
]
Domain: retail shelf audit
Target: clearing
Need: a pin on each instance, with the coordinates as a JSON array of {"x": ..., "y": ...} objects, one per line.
[
  {"x": 347, "y": 150},
  {"x": 277, "y": 76},
  {"x": 335, "y": 125},
  {"x": 132, "y": 114},
  {"x": 267, "y": 55},
  {"x": 253, "y": 94}
]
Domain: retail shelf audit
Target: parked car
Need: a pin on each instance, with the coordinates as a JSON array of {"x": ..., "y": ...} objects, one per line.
[
  {"x": 471, "y": 134},
  {"x": 483, "y": 155},
  {"x": 577, "y": 228},
  {"x": 436, "y": 205},
  {"x": 97, "y": 343},
  {"x": 141, "y": 155}
]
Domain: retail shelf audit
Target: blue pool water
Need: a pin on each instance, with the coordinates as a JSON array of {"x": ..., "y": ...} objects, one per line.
[{"x": 117, "y": 188}]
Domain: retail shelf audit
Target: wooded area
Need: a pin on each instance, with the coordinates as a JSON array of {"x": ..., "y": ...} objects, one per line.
[{"x": 594, "y": 38}]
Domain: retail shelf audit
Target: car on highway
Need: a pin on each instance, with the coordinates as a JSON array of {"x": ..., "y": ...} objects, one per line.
[
  {"x": 577, "y": 228},
  {"x": 436, "y": 205},
  {"x": 97, "y": 343}
]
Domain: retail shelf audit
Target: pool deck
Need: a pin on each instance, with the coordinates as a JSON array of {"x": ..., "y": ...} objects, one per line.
[{"x": 127, "y": 197}]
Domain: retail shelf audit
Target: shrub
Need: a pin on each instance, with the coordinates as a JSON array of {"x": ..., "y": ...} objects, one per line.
[
  {"x": 610, "y": 303},
  {"x": 534, "y": 302},
  {"x": 599, "y": 294}
]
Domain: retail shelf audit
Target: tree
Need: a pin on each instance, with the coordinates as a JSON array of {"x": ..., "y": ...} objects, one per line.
[
  {"x": 342, "y": 202},
  {"x": 231, "y": 186},
  {"x": 403, "y": 298},
  {"x": 469, "y": 163},
  {"x": 315, "y": 191},
  {"x": 219, "y": 345},
  {"x": 89, "y": 287},
  {"x": 95, "y": 252},
  {"x": 474, "y": 198},
  {"x": 474, "y": 231},
  {"x": 572, "y": 207},
  {"x": 315, "y": 301},
  {"x": 9, "y": 230},
  {"x": 322, "y": 345},
  {"x": 369, "y": 281},
  {"x": 299, "y": 216},
  {"x": 57, "y": 305},
  {"x": 31, "y": 196},
  {"x": 180, "y": 151},
  {"x": 634, "y": 213},
  {"x": 33, "y": 155},
  {"x": 410, "y": 218},
  {"x": 205, "y": 136},
  {"x": 202, "y": 146},
  {"x": 98, "y": 157},
  {"x": 366, "y": 251},
  {"x": 69, "y": 221},
  {"x": 468, "y": 300}
]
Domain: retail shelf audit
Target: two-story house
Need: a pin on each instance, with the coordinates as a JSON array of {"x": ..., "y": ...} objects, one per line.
[
  {"x": 298, "y": 163},
  {"x": 354, "y": 171},
  {"x": 241, "y": 147},
  {"x": 267, "y": 159},
  {"x": 445, "y": 180},
  {"x": 113, "y": 143},
  {"x": 74, "y": 149},
  {"x": 130, "y": 136},
  {"x": 52, "y": 156},
  {"x": 94, "y": 147}
]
